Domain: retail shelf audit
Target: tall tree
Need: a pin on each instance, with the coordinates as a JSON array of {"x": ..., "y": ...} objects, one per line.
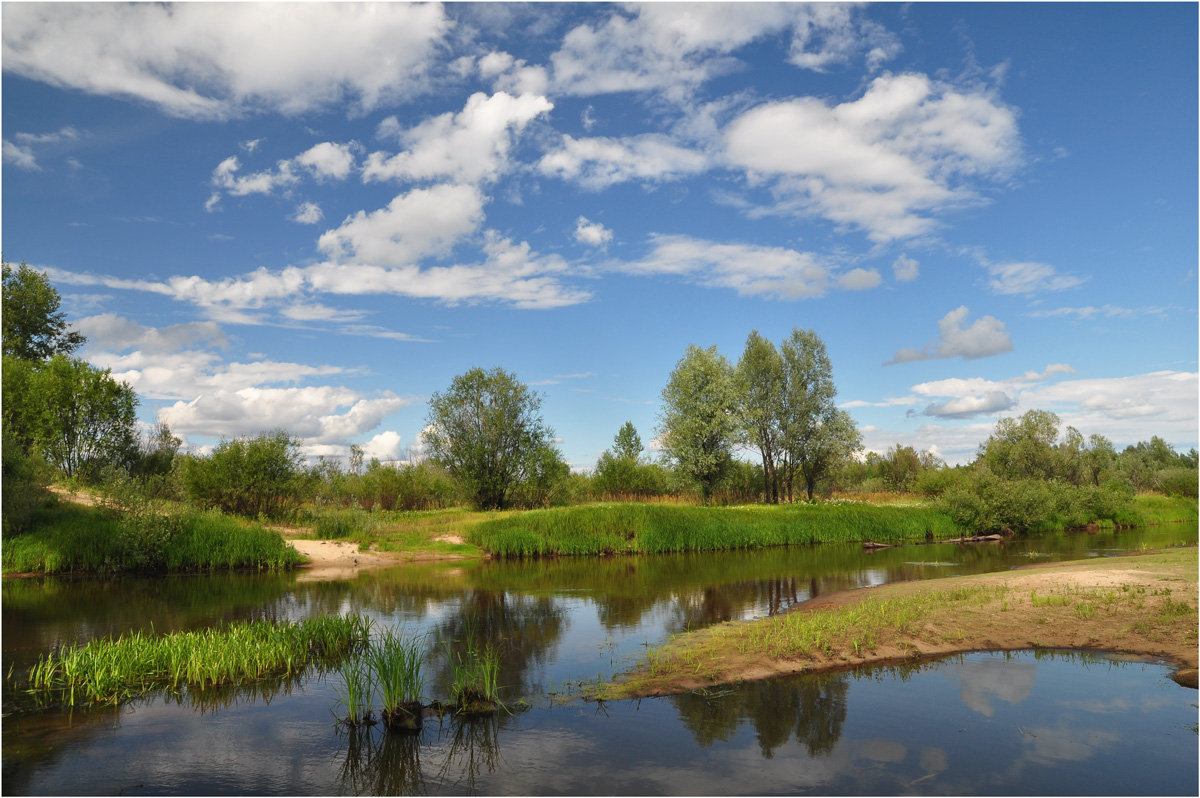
[
  {"x": 619, "y": 471},
  {"x": 1024, "y": 447},
  {"x": 760, "y": 385},
  {"x": 87, "y": 419},
  {"x": 698, "y": 420},
  {"x": 33, "y": 326},
  {"x": 487, "y": 429},
  {"x": 819, "y": 437}
]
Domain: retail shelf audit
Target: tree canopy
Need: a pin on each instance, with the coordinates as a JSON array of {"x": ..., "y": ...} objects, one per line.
[
  {"x": 487, "y": 429},
  {"x": 698, "y": 416},
  {"x": 34, "y": 327}
]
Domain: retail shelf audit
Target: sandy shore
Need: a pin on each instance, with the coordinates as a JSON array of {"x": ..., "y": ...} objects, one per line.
[
  {"x": 333, "y": 559},
  {"x": 1139, "y": 605}
]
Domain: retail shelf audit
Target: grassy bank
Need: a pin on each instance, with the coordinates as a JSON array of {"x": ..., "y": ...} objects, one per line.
[
  {"x": 1145, "y": 604},
  {"x": 1153, "y": 508},
  {"x": 438, "y": 532},
  {"x": 72, "y": 538},
  {"x": 658, "y": 528},
  {"x": 112, "y": 670}
]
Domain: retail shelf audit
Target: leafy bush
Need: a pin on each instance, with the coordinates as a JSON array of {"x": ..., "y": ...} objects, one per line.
[
  {"x": 1178, "y": 482},
  {"x": 248, "y": 476}
]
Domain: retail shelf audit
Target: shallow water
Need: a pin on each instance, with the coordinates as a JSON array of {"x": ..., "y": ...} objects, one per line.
[
  {"x": 563, "y": 622},
  {"x": 1045, "y": 724}
]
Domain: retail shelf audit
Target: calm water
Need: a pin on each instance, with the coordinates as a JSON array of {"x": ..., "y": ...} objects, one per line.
[{"x": 976, "y": 724}]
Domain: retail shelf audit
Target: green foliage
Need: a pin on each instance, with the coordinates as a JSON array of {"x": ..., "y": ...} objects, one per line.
[
  {"x": 74, "y": 415},
  {"x": 981, "y": 502},
  {"x": 33, "y": 326},
  {"x": 761, "y": 384},
  {"x": 1023, "y": 448},
  {"x": 142, "y": 536},
  {"x": 697, "y": 418},
  {"x": 23, "y": 480},
  {"x": 408, "y": 486},
  {"x": 1178, "y": 481},
  {"x": 248, "y": 476},
  {"x": 621, "y": 471},
  {"x": 487, "y": 429},
  {"x": 644, "y": 528}
]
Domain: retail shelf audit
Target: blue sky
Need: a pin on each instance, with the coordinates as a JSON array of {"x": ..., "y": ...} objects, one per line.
[{"x": 314, "y": 216}]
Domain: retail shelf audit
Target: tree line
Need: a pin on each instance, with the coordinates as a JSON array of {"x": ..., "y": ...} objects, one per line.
[{"x": 487, "y": 444}]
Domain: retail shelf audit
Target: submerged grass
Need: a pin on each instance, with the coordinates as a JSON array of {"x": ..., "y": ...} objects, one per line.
[
  {"x": 643, "y": 528},
  {"x": 112, "y": 670}
]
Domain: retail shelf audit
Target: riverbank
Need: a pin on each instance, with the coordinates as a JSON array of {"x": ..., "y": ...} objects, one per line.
[{"x": 1142, "y": 605}]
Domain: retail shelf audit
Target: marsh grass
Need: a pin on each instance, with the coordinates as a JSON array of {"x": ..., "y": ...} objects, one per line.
[
  {"x": 1152, "y": 508},
  {"x": 111, "y": 670},
  {"x": 72, "y": 538},
  {"x": 660, "y": 528},
  {"x": 395, "y": 663},
  {"x": 474, "y": 673},
  {"x": 354, "y": 691}
]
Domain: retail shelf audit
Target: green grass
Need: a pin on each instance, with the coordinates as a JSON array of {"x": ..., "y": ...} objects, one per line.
[
  {"x": 396, "y": 664},
  {"x": 72, "y": 538},
  {"x": 647, "y": 528},
  {"x": 111, "y": 670},
  {"x": 1153, "y": 508}
]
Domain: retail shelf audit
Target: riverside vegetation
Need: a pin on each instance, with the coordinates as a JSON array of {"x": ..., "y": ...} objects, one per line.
[{"x": 166, "y": 510}]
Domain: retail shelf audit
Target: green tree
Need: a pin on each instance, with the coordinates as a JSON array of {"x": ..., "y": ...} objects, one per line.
[
  {"x": 33, "y": 326},
  {"x": 86, "y": 420},
  {"x": 248, "y": 476},
  {"x": 698, "y": 420},
  {"x": 627, "y": 444},
  {"x": 760, "y": 386},
  {"x": 488, "y": 431},
  {"x": 1024, "y": 448},
  {"x": 620, "y": 470},
  {"x": 818, "y": 437}
]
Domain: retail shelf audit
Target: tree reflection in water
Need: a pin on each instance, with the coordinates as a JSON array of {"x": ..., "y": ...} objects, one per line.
[
  {"x": 524, "y": 629},
  {"x": 378, "y": 762},
  {"x": 813, "y": 708}
]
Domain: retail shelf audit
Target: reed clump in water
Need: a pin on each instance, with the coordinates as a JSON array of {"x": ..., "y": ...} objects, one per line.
[
  {"x": 395, "y": 661},
  {"x": 112, "y": 670}
]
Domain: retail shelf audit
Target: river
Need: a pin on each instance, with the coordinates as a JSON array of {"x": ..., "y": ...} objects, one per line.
[{"x": 1048, "y": 723}]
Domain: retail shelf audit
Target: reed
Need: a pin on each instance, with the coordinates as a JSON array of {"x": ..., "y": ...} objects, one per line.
[
  {"x": 643, "y": 528},
  {"x": 395, "y": 663},
  {"x": 111, "y": 670},
  {"x": 354, "y": 692},
  {"x": 474, "y": 674}
]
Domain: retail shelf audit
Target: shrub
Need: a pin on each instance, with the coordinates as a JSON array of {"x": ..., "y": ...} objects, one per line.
[{"x": 248, "y": 476}]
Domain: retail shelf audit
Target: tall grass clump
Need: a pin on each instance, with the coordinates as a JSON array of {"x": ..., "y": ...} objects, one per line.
[
  {"x": 354, "y": 691},
  {"x": 71, "y": 538},
  {"x": 642, "y": 528},
  {"x": 1155, "y": 509},
  {"x": 395, "y": 661},
  {"x": 474, "y": 674},
  {"x": 111, "y": 670},
  {"x": 339, "y": 523}
]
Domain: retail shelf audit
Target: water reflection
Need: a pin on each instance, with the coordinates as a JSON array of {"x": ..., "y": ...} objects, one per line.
[
  {"x": 812, "y": 710},
  {"x": 450, "y": 757}
]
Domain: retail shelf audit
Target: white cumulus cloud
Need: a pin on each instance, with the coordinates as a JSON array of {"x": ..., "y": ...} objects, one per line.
[{"x": 983, "y": 338}]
